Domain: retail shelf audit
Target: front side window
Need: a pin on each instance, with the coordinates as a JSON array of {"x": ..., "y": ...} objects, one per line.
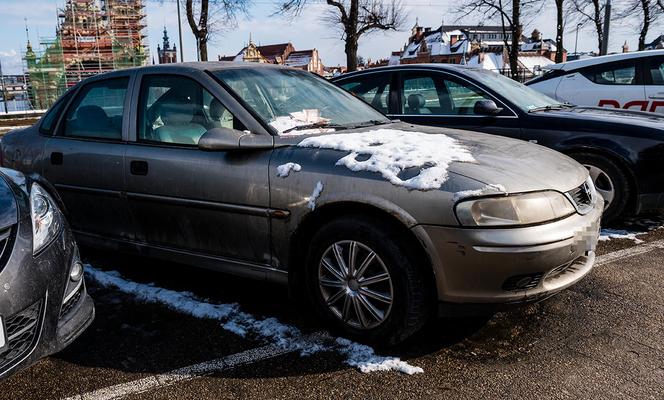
[
  {"x": 374, "y": 89},
  {"x": 97, "y": 110},
  {"x": 177, "y": 110},
  {"x": 437, "y": 94},
  {"x": 612, "y": 74},
  {"x": 293, "y": 101},
  {"x": 656, "y": 65}
]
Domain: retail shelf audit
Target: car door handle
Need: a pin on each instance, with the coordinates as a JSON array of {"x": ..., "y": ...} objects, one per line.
[
  {"x": 138, "y": 167},
  {"x": 656, "y": 96},
  {"x": 57, "y": 158}
]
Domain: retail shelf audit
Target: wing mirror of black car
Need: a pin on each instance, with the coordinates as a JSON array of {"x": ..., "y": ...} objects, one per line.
[
  {"x": 486, "y": 107},
  {"x": 220, "y": 139}
]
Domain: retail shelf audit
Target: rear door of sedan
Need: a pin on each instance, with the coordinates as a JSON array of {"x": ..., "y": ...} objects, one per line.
[
  {"x": 186, "y": 200},
  {"x": 84, "y": 159}
]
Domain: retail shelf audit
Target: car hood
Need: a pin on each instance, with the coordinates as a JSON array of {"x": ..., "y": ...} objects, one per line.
[
  {"x": 8, "y": 207},
  {"x": 609, "y": 117},
  {"x": 516, "y": 165}
]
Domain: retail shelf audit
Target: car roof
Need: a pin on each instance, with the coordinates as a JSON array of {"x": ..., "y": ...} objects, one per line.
[
  {"x": 586, "y": 62},
  {"x": 447, "y": 67}
]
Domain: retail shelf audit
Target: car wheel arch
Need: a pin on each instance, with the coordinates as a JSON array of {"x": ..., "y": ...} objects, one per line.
[
  {"x": 328, "y": 212},
  {"x": 617, "y": 159}
]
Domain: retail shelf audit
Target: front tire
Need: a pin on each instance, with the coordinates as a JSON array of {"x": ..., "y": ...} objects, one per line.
[
  {"x": 610, "y": 181},
  {"x": 361, "y": 278}
]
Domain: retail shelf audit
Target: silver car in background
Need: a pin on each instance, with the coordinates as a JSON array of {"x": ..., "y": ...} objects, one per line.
[{"x": 275, "y": 174}]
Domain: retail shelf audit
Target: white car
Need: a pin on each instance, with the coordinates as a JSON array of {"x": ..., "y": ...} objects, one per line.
[{"x": 633, "y": 81}]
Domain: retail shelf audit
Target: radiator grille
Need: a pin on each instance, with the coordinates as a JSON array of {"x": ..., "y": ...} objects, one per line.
[
  {"x": 22, "y": 334},
  {"x": 6, "y": 244},
  {"x": 582, "y": 197}
]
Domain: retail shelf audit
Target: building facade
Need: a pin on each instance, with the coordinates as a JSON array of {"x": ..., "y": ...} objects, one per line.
[
  {"x": 166, "y": 53},
  {"x": 281, "y": 54}
]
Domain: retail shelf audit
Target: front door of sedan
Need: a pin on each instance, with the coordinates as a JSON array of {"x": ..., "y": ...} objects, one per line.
[
  {"x": 439, "y": 99},
  {"x": 655, "y": 83},
  {"x": 185, "y": 199},
  {"x": 84, "y": 160}
]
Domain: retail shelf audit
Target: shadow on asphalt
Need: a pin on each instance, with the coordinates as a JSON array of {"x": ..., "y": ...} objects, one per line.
[{"x": 139, "y": 337}]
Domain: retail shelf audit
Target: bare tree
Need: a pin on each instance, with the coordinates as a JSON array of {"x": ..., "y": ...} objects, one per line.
[
  {"x": 207, "y": 18},
  {"x": 585, "y": 12},
  {"x": 560, "y": 29},
  {"x": 354, "y": 18},
  {"x": 646, "y": 12},
  {"x": 510, "y": 14}
]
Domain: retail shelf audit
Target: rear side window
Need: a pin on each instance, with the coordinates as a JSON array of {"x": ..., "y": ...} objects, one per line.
[
  {"x": 48, "y": 121},
  {"x": 612, "y": 74},
  {"x": 97, "y": 111},
  {"x": 656, "y": 67},
  {"x": 374, "y": 89}
]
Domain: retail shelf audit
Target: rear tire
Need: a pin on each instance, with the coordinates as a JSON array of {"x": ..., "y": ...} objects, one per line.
[
  {"x": 385, "y": 312},
  {"x": 610, "y": 181}
]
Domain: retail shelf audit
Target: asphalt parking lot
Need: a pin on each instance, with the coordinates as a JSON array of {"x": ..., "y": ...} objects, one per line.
[{"x": 195, "y": 334}]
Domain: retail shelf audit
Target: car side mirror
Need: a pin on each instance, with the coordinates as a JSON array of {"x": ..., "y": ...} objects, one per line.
[
  {"x": 486, "y": 107},
  {"x": 220, "y": 139}
]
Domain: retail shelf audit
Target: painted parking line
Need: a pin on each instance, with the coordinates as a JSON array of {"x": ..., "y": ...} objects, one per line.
[
  {"x": 629, "y": 252},
  {"x": 189, "y": 372},
  {"x": 272, "y": 350}
]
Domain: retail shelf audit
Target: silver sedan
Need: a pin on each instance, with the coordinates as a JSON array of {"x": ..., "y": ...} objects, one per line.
[{"x": 274, "y": 173}]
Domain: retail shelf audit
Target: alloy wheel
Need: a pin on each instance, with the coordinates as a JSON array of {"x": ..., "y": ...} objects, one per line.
[
  {"x": 355, "y": 284},
  {"x": 603, "y": 184}
]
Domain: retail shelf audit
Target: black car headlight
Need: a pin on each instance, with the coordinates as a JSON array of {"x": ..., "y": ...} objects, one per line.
[
  {"x": 46, "y": 218},
  {"x": 519, "y": 209}
]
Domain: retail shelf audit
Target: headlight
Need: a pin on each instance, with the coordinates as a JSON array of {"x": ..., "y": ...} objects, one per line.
[
  {"x": 520, "y": 209},
  {"x": 46, "y": 218}
]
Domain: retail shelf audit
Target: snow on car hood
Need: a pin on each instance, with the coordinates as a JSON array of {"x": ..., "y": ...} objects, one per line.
[
  {"x": 391, "y": 151},
  {"x": 439, "y": 153}
]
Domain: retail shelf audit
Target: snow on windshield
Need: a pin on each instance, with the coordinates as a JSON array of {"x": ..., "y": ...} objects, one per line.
[
  {"x": 390, "y": 152},
  {"x": 288, "y": 124}
]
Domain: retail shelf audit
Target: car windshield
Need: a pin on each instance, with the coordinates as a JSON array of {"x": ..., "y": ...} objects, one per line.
[
  {"x": 296, "y": 102},
  {"x": 521, "y": 95}
]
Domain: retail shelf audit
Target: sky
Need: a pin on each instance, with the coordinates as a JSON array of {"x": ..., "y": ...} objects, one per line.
[{"x": 305, "y": 32}]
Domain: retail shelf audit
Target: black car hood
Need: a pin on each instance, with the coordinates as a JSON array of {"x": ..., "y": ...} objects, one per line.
[
  {"x": 604, "y": 115},
  {"x": 8, "y": 207}
]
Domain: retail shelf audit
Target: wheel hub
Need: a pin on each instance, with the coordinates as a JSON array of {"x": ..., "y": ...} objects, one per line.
[{"x": 355, "y": 284}]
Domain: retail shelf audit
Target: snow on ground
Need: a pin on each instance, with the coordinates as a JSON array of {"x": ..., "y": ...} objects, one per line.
[
  {"x": 284, "y": 170},
  {"x": 608, "y": 234},
  {"x": 492, "y": 189},
  {"x": 315, "y": 195},
  {"x": 233, "y": 319},
  {"x": 392, "y": 151}
]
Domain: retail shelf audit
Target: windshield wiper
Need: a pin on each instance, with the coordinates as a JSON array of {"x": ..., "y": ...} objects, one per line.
[
  {"x": 551, "y": 107},
  {"x": 317, "y": 125}
]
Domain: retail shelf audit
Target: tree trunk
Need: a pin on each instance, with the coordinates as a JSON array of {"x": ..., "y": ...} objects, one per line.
[
  {"x": 202, "y": 48},
  {"x": 645, "y": 4},
  {"x": 599, "y": 27},
  {"x": 516, "y": 37},
  {"x": 351, "y": 35},
  {"x": 559, "y": 31}
]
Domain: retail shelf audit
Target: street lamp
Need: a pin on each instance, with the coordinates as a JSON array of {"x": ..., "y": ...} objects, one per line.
[
  {"x": 576, "y": 42},
  {"x": 2, "y": 87}
]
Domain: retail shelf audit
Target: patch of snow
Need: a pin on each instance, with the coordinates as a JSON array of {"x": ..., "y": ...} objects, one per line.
[
  {"x": 478, "y": 192},
  {"x": 284, "y": 170},
  {"x": 392, "y": 151},
  {"x": 315, "y": 195},
  {"x": 233, "y": 319},
  {"x": 300, "y": 118},
  {"x": 608, "y": 234}
]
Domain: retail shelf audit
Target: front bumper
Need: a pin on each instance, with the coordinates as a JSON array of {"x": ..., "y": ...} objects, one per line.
[
  {"x": 511, "y": 265},
  {"x": 36, "y": 321}
]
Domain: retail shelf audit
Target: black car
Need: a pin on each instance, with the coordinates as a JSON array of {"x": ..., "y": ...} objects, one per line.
[
  {"x": 622, "y": 149},
  {"x": 44, "y": 305}
]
